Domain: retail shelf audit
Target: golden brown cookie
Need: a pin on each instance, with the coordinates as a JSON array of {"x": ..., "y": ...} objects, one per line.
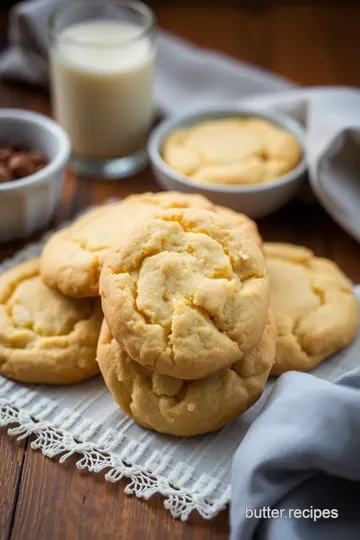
[
  {"x": 186, "y": 293},
  {"x": 71, "y": 260},
  {"x": 243, "y": 221},
  {"x": 180, "y": 407},
  {"x": 315, "y": 308},
  {"x": 232, "y": 151},
  {"x": 44, "y": 336}
]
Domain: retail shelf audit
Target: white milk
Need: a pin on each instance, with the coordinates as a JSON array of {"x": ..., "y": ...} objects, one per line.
[{"x": 102, "y": 91}]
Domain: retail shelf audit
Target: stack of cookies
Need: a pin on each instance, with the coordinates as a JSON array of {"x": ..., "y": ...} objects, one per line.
[
  {"x": 188, "y": 343},
  {"x": 195, "y": 312}
]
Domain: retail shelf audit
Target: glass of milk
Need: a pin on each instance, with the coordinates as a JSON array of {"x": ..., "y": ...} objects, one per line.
[{"x": 102, "y": 59}]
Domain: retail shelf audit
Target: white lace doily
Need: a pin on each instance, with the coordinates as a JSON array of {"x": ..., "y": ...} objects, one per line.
[{"x": 191, "y": 473}]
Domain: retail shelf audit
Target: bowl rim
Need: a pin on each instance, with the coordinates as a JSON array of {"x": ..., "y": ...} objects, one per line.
[
  {"x": 166, "y": 126},
  {"x": 57, "y": 163}
]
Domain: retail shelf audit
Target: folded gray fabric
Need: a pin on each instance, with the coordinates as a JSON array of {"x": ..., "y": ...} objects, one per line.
[
  {"x": 188, "y": 77},
  {"x": 184, "y": 74},
  {"x": 332, "y": 118},
  {"x": 301, "y": 454}
]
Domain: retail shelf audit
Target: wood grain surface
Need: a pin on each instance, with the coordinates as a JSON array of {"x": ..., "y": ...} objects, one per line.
[{"x": 311, "y": 43}]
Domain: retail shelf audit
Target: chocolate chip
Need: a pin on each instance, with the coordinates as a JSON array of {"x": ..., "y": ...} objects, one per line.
[
  {"x": 36, "y": 157},
  {"x": 4, "y": 174},
  {"x": 16, "y": 162},
  {"x": 5, "y": 153},
  {"x": 19, "y": 165}
]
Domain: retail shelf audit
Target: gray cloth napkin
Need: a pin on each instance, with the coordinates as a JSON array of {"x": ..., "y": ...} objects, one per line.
[
  {"x": 302, "y": 453},
  {"x": 188, "y": 77},
  {"x": 184, "y": 74},
  {"x": 332, "y": 118},
  {"x": 303, "y": 449}
]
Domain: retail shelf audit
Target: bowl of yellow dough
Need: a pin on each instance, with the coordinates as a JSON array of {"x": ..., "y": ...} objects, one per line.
[{"x": 251, "y": 161}]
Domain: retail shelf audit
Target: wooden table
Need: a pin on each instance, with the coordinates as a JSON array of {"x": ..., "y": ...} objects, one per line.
[{"x": 40, "y": 499}]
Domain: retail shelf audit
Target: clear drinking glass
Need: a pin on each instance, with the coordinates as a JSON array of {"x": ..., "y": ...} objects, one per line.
[{"x": 102, "y": 58}]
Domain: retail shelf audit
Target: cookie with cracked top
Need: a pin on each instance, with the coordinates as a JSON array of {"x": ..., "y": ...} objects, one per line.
[
  {"x": 186, "y": 293},
  {"x": 45, "y": 337},
  {"x": 71, "y": 260},
  {"x": 314, "y": 305}
]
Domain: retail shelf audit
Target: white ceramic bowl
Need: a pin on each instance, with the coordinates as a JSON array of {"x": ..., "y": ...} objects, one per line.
[
  {"x": 254, "y": 200},
  {"x": 28, "y": 204}
]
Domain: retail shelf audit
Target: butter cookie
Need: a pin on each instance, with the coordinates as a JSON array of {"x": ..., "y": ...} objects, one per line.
[
  {"x": 179, "y": 407},
  {"x": 315, "y": 309},
  {"x": 186, "y": 292},
  {"x": 45, "y": 337}
]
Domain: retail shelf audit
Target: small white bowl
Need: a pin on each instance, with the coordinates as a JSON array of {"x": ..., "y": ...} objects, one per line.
[
  {"x": 254, "y": 200},
  {"x": 28, "y": 204}
]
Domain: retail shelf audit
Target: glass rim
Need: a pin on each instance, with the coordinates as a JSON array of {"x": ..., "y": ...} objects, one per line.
[{"x": 133, "y": 5}]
